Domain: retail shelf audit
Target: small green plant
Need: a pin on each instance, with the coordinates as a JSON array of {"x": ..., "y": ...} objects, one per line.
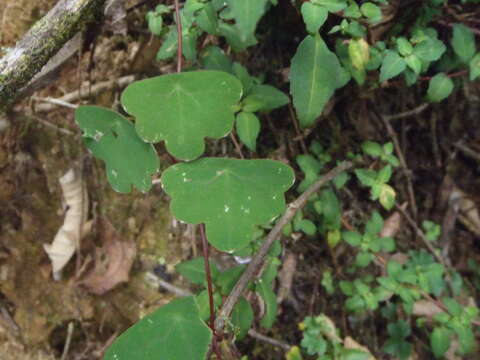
[
  {"x": 236, "y": 202},
  {"x": 370, "y": 242},
  {"x": 321, "y": 338}
]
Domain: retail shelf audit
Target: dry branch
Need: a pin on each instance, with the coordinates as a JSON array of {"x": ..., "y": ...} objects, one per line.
[
  {"x": 41, "y": 43},
  {"x": 257, "y": 262}
]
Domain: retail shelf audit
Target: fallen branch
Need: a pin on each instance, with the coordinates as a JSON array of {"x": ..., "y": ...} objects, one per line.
[
  {"x": 41, "y": 43},
  {"x": 85, "y": 91},
  {"x": 255, "y": 265}
]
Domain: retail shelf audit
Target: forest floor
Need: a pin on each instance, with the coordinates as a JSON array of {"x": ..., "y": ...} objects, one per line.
[{"x": 97, "y": 298}]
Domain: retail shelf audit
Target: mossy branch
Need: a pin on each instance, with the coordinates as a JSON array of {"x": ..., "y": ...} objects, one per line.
[{"x": 41, "y": 43}]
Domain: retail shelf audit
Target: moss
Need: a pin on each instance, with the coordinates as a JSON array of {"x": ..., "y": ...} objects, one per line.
[{"x": 41, "y": 43}]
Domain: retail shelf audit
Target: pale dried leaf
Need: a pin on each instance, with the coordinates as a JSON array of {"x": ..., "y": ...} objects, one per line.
[
  {"x": 67, "y": 239},
  {"x": 470, "y": 215},
  {"x": 426, "y": 308},
  {"x": 349, "y": 343},
  {"x": 113, "y": 261},
  {"x": 392, "y": 225},
  {"x": 285, "y": 276},
  {"x": 116, "y": 17}
]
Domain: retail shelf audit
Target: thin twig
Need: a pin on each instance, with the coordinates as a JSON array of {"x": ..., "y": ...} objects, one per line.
[
  {"x": 466, "y": 150},
  {"x": 179, "y": 37},
  {"x": 95, "y": 89},
  {"x": 297, "y": 129},
  {"x": 237, "y": 145},
  {"x": 403, "y": 163},
  {"x": 421, "y": 235},
  {"x": 53, "y": 126},
  {"x": 68, "y": 341},
  {"x": 269, "y": 340},
  {"x": 255, "y": 265},
  {"x": 153, "y": 279},
  {"x": 415, "y": 111},
  {"x": 55, "y": 101}
]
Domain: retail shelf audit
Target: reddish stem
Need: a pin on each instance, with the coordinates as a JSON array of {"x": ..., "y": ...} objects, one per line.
[
  {"x": 206, "y": 261},
  {"x": 179, "y": 37}
]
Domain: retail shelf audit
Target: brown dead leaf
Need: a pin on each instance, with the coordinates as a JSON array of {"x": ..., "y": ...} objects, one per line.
[
  {"x": 113, "y": 261},
  {"x": 286, "y": 276},
  {"x": 349, "y": 343},
  {"x": 391, "y": 226},
  {"x": 426, "y": 308}
]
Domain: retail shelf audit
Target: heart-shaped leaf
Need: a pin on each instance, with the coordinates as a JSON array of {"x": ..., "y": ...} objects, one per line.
[
  {"x": 182, "y": 109},
  {"x": 112, "y": 138},
  {"x": 230, "y": 196},
  {"x": 173, "y": 332}
]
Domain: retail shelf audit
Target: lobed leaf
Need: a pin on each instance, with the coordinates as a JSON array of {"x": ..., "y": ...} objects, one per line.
[
  {"x": 230, "y": 196},
  {"x": 182, "y": 109},
  {"x": 112, "y": 138},
  {"x": 151, "y": 338}
]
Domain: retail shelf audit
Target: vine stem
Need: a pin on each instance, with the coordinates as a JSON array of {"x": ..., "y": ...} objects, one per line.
[
  {"x": 179, "y": 37},
  {"x": 255, "y": 265},
  {"x": 208, "y": 273}
]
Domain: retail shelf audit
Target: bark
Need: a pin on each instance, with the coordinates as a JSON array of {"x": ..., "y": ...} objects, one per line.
[{"x": 41, "y": 43}]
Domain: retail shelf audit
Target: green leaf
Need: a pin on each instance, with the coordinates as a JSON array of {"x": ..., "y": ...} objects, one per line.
[
  {"x": 314, "y": 16},
  {"x": 331, "y": 209},
  {"x": 230, "y": 196},
  {"x": 248, "y": 128},
  {"x": 235, "y": 39},
  {"x": 266, "y": 97},
  {"x": 265, "y": 290},
  {"x": 151, "y": 338},
  {"x": 352, "y": 237},
  {"x": 129, "y": 161},
  {"x": 169, "y": 45},
  {"x": 182, "y": 109},
  {"x": 315, "y": 74},
  {"x": 306, "y": 226},
  {"x": 207, "y": 20},
  {"x": 354, "y": 354},
  {"x": 247, "y": 13},
  {"x": 194, "y": 270},
  {"x": 474, "y": 67},
  {"x": 242, "y": 318},
  {"x": 392, "y": 65},
  {"x": 372, "y": 148},
  {"x": 228, "y": 278},
  {"x": 359, "y": 52},
  {"x": 331, "y": 5},
  {"x": 215, "y": 59},
  {"x": 203, "y": 303},
  {"x": 363, "y": 259},
  {"x": 440, "y": 341},
  {"x": 404, "y": 47},
  {"x": 371, "y": 11},
  {"x": 414, "y": 63},
  {"x": 352, "y": 11},
  {"x": 242, "y": 74},
  {"x": 439, "y": 88},
  {"x": 366, "y": 177},
  {"x": 294, "y": 354},
  {"x": 463, "y": 42},
  {"x": 155, "y": 22},
  {"x": 429, "y": 49}
]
